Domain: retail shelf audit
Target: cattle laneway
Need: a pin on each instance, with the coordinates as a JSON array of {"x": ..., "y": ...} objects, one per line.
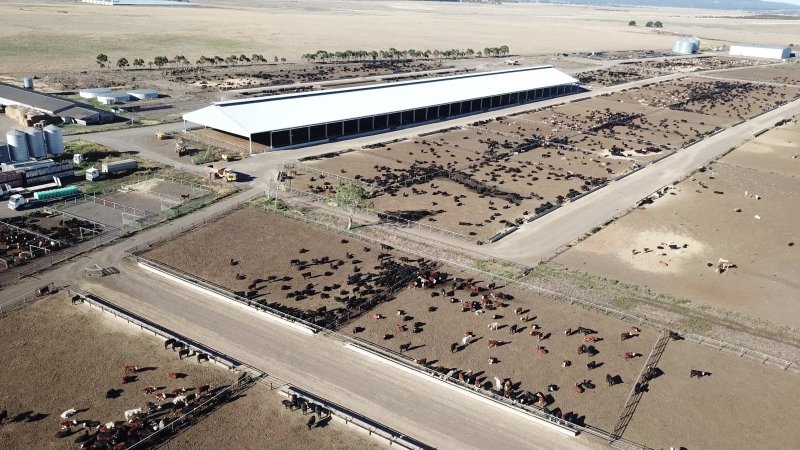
[{"x": 431, "y": 413}]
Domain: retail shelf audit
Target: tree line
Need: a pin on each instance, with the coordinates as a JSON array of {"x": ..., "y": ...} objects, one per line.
[
  {"x": 181, "y": 60},
  {"x": 649, "y": 24},
  {"x": 394, "y": 54}
]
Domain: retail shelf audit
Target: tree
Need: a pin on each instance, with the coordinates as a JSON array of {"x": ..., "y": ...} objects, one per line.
[
  {"x": 102, "y": 60},
  {"x": 122, "y": 63},
  {"x": 352, "y": 196},
  {"x": 160, "y": 61},
  {"x": 276, "y": 59},
  {"x": 138, "y": 62},
  {"x": 649, "y": 24},
  {"x": 283, "y": 59},
  {"x": 632, "y": 23},
  {"x": 658, "y": 24}
]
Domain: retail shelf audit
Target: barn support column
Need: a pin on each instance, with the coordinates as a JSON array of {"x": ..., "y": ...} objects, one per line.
[{"x": 251, "y": 144}]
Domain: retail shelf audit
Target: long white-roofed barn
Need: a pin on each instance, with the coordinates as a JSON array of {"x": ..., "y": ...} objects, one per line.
[{"x": 319, "y": 116}]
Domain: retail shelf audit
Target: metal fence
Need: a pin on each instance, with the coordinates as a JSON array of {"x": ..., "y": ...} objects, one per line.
[
  {"x": 15, "y": 303},
  {"x": 394, "y": 437},
  {"x": 49, "y": 260},
  {"x": 260, "y": 377},
  {"x": 571, "y": 299}
]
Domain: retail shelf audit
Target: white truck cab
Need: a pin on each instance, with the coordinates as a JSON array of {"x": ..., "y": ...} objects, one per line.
[{"x": 16, "y": 201}]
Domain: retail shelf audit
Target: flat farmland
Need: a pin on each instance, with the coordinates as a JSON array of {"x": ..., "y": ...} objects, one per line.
[
  {"x": 670, "y": 413},
  {"x": 315, "y": 273},
  {"x": 674, "y": 244}
]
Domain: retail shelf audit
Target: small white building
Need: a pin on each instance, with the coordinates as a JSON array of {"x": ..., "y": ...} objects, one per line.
[
  {"x": 143, "y": 94},
  {"x": 760, "y": 51},
  {"x": 93, "y": 92},
  {"x": 110, "y": 98}
]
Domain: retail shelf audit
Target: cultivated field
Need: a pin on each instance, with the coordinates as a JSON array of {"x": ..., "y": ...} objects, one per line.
[
  {"x": 40, "y": 35},
  {"x": 61, "y": 356},
  {"x": 740, "y": 209},
  {"x": 426, "y": 321}
]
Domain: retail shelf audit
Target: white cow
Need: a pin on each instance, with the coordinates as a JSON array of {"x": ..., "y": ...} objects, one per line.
[{"x": 131, "y": 414}]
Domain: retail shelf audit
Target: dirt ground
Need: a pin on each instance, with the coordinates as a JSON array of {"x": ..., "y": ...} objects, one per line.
[
  {"x": 432, "y": 322},
  {"x": 787, "y": 73},
  {"x": 495, "y": 186},
  {"x": 76, "y": 353},
  {"x": 262, "y": 267},
  {"x": 743, "y": 397},
  {"x": 741, "y": 405},
  {"x": 258, "y": 420},
  {"x": 750, "y": 192},
  {"x": 58, "y": 356}
]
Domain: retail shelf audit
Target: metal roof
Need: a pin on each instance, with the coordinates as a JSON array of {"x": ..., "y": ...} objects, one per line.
[
  {"x": 280, "y": 112},
  {"x": 77, "y": 112},
  {"x": 37, "y": 100}
]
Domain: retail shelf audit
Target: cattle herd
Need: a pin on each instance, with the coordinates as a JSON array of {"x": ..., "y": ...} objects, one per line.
[
  {"x": 165, "y": 412},
  {"x": 24, "y": 238}
]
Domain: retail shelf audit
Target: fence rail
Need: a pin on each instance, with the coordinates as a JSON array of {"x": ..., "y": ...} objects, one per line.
[
  {"x": 571, "y": 299},
  {"x": 13, "y": 304},
  {"x": 260, "y": 377}
]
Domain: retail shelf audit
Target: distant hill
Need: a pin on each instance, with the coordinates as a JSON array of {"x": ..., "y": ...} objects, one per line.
[{"x": 745, "y": 5}]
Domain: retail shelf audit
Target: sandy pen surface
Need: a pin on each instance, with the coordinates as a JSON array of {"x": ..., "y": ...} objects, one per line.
[
  {"x": 58, "y": 356},
  {"x": 41, "y": 35},
  {"x": 739, "y": 210}
]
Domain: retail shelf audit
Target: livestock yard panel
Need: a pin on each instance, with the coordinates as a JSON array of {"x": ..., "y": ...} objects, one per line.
[
  {"x": 443, "y": 203},
  {"x": 50, "y": 345},
  {"x": 517, "y": 359},
  {"x": 776, "y": 73},
  {"x": 23, "y": 238},
  {"x": 670, "y": 410},
  {"x": 639, "y": 70},
  {"x": 775, "y": 151},
  {"x": 751, "y": 404},
  {"x": 316, "y": 273},
  {"x": 675, "y": 244}
]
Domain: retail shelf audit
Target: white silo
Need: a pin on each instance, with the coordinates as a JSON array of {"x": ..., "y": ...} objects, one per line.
[
  {"x": 54, "y": 140},
  {"x": 36, "y": 145},
  {"x": 17, "y": 145},
  {"x": 683, "y": 46}
]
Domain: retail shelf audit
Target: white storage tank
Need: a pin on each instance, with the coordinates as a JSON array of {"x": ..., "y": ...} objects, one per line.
[
  {"x": 17, "y": 145},
  {"x": 110, "y": 98},
  {"x": 686, "y": 45},
  {"x": 93, "y": 92},
  {"x": 27, "y": 83},
  {"x": 54, "y": 140},
  {"x": 143, "y": 94},
  {"x": 36, "y": 145}
]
